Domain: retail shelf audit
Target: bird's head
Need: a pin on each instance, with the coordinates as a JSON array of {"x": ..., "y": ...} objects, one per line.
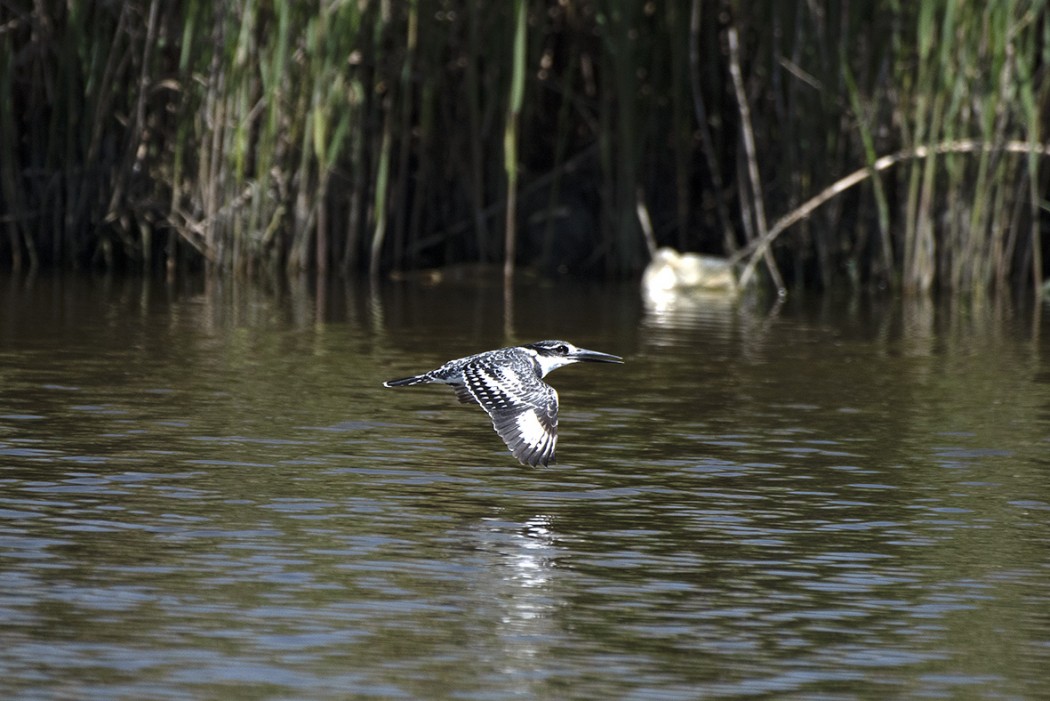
[{"x": 554, "y": 354}]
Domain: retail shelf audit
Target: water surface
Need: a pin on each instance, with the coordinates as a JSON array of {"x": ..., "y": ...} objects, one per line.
[{"x": 205, "y": 492}]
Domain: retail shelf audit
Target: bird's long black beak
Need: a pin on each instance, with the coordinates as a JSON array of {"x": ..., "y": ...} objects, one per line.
[{"x": 595, "y": 356}]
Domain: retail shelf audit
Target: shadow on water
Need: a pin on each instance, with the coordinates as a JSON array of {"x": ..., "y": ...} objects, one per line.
[{"x": 205, "y": 488}]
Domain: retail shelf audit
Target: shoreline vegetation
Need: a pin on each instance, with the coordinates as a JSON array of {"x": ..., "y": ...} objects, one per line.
[{"x": 882, "y": 145}]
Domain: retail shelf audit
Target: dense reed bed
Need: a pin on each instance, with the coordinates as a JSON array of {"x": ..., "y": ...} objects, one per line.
[{"x": 372, "y": 135}]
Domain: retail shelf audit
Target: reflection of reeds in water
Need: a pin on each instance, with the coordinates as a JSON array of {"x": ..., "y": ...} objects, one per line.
[{"x": 369, "y": 134}]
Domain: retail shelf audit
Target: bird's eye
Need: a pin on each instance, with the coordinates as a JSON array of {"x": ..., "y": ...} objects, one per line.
[{"x": 562, "y": 349}]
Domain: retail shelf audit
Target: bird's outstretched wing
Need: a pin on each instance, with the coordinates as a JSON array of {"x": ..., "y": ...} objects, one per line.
[{"x": 523, "y": 408}]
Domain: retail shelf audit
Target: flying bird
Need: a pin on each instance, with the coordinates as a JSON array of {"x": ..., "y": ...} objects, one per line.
[{"x": 508, "y": 384}]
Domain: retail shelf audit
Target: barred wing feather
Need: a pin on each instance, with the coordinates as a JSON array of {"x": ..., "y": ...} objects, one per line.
[{"x": 523, "y": 408}]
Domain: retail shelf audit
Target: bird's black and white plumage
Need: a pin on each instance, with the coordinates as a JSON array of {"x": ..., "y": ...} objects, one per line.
[{"x": 508, "y": 384}]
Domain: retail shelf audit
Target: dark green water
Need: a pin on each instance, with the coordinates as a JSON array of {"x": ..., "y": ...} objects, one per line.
[{"x": 205, "y": 492}]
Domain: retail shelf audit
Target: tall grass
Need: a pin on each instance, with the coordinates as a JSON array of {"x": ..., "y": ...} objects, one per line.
[
  {"x": 944, "y": 102},
  {"x": 510, "y": 135},
  {"x": 355, "y": 135}
]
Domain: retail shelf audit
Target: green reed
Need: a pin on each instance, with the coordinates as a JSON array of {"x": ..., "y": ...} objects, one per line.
[
  {"x": 357, "y": 135},
  {"x": 975, "y": 77}
]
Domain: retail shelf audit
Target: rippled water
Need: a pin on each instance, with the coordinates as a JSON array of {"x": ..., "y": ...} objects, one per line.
[{"x": 205, "y": 492}]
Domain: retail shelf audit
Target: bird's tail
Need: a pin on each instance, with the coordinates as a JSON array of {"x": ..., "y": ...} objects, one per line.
[{"x": 406, "y": 381}]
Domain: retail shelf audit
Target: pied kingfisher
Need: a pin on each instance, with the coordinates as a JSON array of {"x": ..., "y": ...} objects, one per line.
[{"x": 508, "y": 384}]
